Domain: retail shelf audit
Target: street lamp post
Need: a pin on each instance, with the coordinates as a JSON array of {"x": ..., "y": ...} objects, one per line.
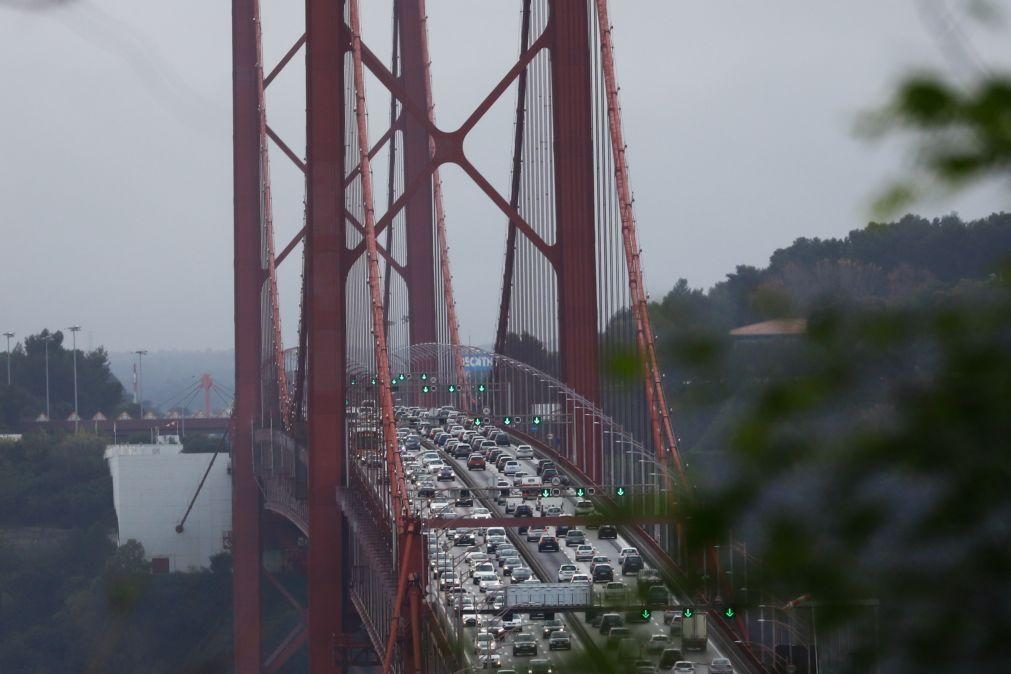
[
  {"x": 45, "y": 341},
  {"x": 8, "y": 335},
  {"x": 74, "y": 329},
  {"x": 140, "y": 379}
]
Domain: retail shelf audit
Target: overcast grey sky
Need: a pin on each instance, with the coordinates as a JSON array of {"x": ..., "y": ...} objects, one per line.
[{"x": 115, "y": 156}]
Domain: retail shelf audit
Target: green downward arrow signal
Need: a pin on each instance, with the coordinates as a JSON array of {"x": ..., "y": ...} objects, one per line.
[
  {"x": 545, "y": 493},
  {"x": 621, "y": 491},
  {"x": 729, "y": 612},
  {"x": 688, "y": 613},
  {"x": 645, "y": 614},
  {"x": 580, "y": 491}
]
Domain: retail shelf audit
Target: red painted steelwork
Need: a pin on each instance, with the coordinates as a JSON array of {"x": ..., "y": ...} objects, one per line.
[
  {"x": 324, "y": 315},
  {"x": 440, "y": 220},
  {"x": 663, "y": 433},
  {"x": 419, "y": 211},
  {"x": 245, "y": 495},
  {"x": 574, "y": 213}
]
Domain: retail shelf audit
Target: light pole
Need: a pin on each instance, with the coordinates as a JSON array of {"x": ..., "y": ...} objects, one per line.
[
  {"x": 8, "y": 335},
  {"x": 45, "y": 341},
  {"x": 74, "y": 329},
  {"x": 140, "y": 379}
]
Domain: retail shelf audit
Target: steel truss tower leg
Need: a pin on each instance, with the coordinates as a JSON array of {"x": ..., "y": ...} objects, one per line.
[
  {"x": 248, "y": 284},
  {"x": 574, "y": 190},
  {"x": 326, "y": 43}
]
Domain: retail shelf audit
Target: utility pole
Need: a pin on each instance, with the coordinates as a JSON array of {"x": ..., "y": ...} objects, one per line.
[
  {"x": 140, "y": 379},
  {"x": 74, "y": 329},
  {"x": 8, "y": 335}
]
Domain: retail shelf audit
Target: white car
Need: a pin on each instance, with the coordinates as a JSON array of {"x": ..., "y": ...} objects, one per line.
[
  {"x": 584, "y": 553},
  {"x": 490, "y": 660},
  {"x": 485, "y": 511},
  {"x": 524, "y": 452},
  {"x": 683, "y": 667},
  {"x": 485, "y": 642},
  {"x": 581, "y": 579},
  {"x": 510, "y": 467},
  {"x": 440, "y": 505},
  {"x": 485, "y": 578},
  {"x": 565, "y": 572},
  {"x": 625, "y": 552}
]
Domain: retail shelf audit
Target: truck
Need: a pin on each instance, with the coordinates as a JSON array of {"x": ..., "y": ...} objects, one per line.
[{"x": 694, "y": 631}]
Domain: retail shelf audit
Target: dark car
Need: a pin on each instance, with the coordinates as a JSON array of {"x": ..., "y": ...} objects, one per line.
[
  {"x": 476, "y": 462},
  {"x": 463, "y": 540},
  {"x": 547, "y": 544},
  {"x": 426, "y": 490},
  {"x": 502, "y": 439},
  {"x": 523, "y": 510},
  {"x": 657, "y": 597},
  {"x": 603, "y": 573},
  {"x": 464, "y": 499},
  {"x": 461, "y": 451},
  {"x": 445, "y": 474},
  {"x": 544, "y": 464},
  {"x": 552, "y": 626},
  {"x": 563, "y": 529},
  {"x": 607, "y": 532},
  {"x": 524, "y": 643},
  {"x": 632, "y": 564},
  {"x": 669, "y": 657}
]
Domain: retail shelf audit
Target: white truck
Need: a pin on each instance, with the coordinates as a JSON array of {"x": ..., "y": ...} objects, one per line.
[{"x": 694, "y": 631}]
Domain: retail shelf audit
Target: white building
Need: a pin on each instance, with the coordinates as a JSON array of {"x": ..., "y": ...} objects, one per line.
[{"x": 152, "y": 486}]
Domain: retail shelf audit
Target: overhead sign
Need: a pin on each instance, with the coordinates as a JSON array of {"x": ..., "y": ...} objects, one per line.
[{"x": 478, "y": 364}]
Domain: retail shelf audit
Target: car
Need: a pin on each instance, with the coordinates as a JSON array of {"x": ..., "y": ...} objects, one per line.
[
  {"x": 607, "y": 532},
  {"x": 610, "y": 620},
  {"x": 547, "y": 544},
  {"x": 584, "y": 507},
  {"x": 625, "y": 552},
  {"x": 720, "y": 666},
  {"x": 632, "y": 564},
  {"x": 544, "y": 463},
  {"x": 553, "y": 511},
  {"x": 426, "y": 490},
  {"x": 510, "y": 467},
  {"x": 521, "y": 574},
  {"x": 581, "y": 578},
  {"x": 683, "y": 667},
  {"x": 657, "y": 643},
  {"x": 584, "y": 553},
  {"x": 445, "y": 474},
  {"x": 615, "y": 591},
  {"x": 550, "y": 626},
  {"x": 485, "y": 642},
  {"x": 464, "y": 499},
  {"x": 490, "y": 661},
  {"x": 469, "y": 618},
  {"x": 574, "y": 537},
  {"x": 534, "y": 534},
  {"x": 599, "y": 559},
  {"x": 481, "y": 567},
  {"x": 669, "y": 657},
  {"x": 560, "y": 641},
  {"x": 524, "y": 452},
  {"x": 475, "y": 558},
  {"x": 657, "y": 597},
  {"x": 643, "y": 667},
  {"x": 476, "y": 462},
  {"x": 603, "y": 573},
  {"x": 489, "y": 582},
  {"x": 616, "y": 634},
  {"x": 523, "y": 510},
  {"x": 524, "y": 643},
  {"x": 565, "y": 572},
  {"x": 514, "y": 624},
  {"x": 447, "y": 580},
  {"x": 460, "y": 451},
  {"x": 540, "y": 666},
  {"x": 441, "y": 504},
  {"x": 673, "y": 617},
  {"x": 510, "y": 563}
]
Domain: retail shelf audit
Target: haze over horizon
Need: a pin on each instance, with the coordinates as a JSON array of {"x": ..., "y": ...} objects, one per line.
[{"x": 138, "y": 248}]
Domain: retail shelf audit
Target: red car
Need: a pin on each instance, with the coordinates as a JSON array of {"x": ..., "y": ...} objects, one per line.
[{"x": 476, "y": 462}]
